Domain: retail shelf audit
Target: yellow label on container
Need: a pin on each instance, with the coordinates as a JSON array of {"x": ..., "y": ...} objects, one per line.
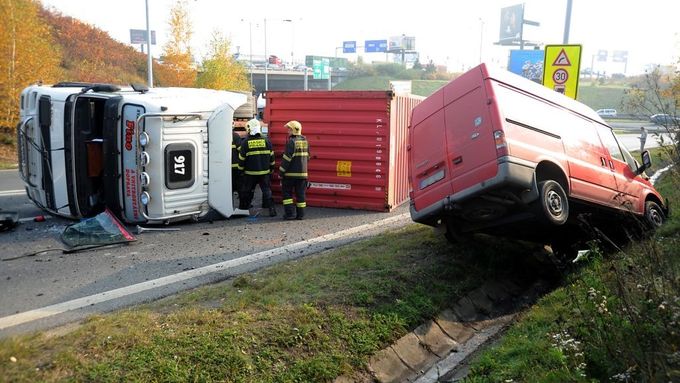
[{"x": 344, "y": 168}]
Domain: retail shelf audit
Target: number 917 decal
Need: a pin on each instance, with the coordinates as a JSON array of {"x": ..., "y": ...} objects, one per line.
[{"x": 179, "y": 166}]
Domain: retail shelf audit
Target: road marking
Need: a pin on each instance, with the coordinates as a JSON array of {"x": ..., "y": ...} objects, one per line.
[
  {"x": 60, "y": 308},
  {"x": 5, "y": 193}
]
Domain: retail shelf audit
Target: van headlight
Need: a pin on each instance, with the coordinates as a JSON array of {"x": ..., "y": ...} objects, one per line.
[
  {"x": 144, "y": 158},
  {"x": 144, "y": 179},
  {"x": 143, "y": 138},
  {"x": 144, "y": 198}
]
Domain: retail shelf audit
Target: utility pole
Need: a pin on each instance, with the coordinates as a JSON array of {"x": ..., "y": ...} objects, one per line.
[
  {"x": 149, "y": 66},
  {"x": 567, "y": 23}
]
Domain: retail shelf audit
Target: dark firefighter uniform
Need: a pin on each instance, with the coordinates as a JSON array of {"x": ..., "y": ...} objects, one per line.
[
  {"x": 256, "y": 162},
  {"x": 235, "y": 172},
  {"x": 293, "y": 171}
]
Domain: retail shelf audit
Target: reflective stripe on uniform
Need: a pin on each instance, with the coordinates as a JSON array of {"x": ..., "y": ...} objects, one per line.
[
  {"x": 288, "y": 201},
  {"x": 258, "y": 152},
  {"x": 256, "y": 173},
  {"x": 234, "y": 166},
  {"x": 240, "y": 157},
  {"x": 301, "y": 204},
  {"x": 300, "y": 154},
  {"x": 296, "y": 174},
  {"x": 285, "y": 157}
]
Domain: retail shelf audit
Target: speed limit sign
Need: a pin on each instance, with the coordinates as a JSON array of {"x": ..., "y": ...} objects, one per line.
[{"x": 560, "y": 76}]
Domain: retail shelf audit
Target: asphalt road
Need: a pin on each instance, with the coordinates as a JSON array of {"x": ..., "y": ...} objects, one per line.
[{"x": 53, "y": 288}]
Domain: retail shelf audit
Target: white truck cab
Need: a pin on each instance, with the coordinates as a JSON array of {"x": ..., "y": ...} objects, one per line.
[{"x": 149, "y": 155}]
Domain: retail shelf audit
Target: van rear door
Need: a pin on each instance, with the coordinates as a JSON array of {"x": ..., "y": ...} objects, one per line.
[
  {"x": 430, "y": 174},
  {"x": 469, "y": 131}
]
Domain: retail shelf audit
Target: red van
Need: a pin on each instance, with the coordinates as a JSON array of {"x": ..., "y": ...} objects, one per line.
[{"x": 493, "y": 152}]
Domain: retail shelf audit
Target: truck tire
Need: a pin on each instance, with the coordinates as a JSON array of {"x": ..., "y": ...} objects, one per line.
[
  {"x": 654, "y": 216},
  {"x": 552, "y": 206}
]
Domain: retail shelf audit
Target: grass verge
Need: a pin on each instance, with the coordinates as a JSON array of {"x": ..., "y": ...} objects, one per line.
[
  {"x": 616, "y": 319},
  {"x": 309, "y": 320}
]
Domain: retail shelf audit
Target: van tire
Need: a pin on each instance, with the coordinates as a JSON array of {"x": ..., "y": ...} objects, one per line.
[
  {"x": 552, "y": 206},
  {"x": 654, "y": 216}
]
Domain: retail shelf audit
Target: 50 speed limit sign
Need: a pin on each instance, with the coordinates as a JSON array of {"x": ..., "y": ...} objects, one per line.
[{"x": 560, "y": 76}]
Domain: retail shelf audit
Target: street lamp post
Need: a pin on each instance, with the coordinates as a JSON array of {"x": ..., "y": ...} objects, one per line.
[
  {"x": 149, "y": 67},
  {"x": 266, "y": 58}
]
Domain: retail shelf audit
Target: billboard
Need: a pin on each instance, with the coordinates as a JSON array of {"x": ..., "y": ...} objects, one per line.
[
  {"x": 620, "y": 56},
  {"x": 372, "y": 46},
  {"x": 512, "y": 19},
  {"x": 349, "y": 47},
  {"x": 138, "y": 36},
  {"x": 400, "y": 43},
  {"x": 527, "y": 63},
  {"x": 602, "y": 55}
]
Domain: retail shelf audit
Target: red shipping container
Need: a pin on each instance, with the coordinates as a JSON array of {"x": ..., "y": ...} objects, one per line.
[{"x": 358, "y": 145}]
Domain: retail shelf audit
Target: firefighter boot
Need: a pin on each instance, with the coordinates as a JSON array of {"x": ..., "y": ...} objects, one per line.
[
  {"x": 272, "y": 211},
  {"x": 300, "y": 213},
  {"x": 288, "y": 211}
]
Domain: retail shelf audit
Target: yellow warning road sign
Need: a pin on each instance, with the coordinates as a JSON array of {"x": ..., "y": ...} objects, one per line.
[{"x": 562, "y": 66}]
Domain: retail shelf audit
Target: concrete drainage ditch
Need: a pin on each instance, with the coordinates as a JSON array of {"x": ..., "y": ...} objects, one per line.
[{"x": 437, "y": 349}]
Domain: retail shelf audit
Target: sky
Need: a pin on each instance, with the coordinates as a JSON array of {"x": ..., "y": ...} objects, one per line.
[{"x": 458, "y": 34}]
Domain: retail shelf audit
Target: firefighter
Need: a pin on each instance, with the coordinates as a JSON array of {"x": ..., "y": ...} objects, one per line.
[
  {"x": 235, "y": 172},
  {"x": 256, "y": 162},
  {"x": 293, "y": 171}
]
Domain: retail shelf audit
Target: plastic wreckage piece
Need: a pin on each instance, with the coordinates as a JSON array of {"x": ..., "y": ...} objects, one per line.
[
  {"x": 8, "y": 220},
  {"x": 101, "y": 230}
]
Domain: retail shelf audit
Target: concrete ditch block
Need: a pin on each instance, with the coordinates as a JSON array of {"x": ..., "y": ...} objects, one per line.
[
  {"x": 481, "y": 301},
  {"x": 435, "y": 339},
  {"x": 451, "y": 325},
  {"x": 411, "y": 352},
  {"x": 466, "y": 311},
  {"x": 496, "y": 291},
  {"x": 387, "y": 367}
]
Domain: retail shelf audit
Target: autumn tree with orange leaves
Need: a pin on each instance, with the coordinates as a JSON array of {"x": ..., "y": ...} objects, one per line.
[
  {"x": 178, "y": 68},
  {"x": 28, "y": 54},
  {"x": 220, "y": 70}
]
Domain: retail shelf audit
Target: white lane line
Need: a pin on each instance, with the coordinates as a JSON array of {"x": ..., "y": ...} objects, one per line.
[
  {"x": 4, "y": 193},
  {"x": 59, "y": 308}
]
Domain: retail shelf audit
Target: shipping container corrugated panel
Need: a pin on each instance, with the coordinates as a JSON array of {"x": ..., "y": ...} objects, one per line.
[{"x": 358, "y": 143}]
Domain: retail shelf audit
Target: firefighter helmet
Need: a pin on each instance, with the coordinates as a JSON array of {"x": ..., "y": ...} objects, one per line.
[
  {"x": 253, "y": 127},
  {"x": 295, "y": 127}
]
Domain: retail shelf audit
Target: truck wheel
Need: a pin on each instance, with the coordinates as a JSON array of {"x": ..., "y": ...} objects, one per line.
[
  {"x": 552, "y": 205},
  {"x": 654, "y": 216}
]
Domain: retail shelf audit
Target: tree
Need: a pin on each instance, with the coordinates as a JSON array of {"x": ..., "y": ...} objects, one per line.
[
  {"x": 28, "y": 54},
  {"x": 178, "y": 68},
  {"x": 220, "y": 70}
]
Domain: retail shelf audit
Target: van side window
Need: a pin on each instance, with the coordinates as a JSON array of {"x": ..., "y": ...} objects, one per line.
[{"x": 610, "y": 142}]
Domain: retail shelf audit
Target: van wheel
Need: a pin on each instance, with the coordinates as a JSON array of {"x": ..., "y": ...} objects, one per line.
[
  {"x": 552, "y": 205},
  {"x": 654, "y": 216}
]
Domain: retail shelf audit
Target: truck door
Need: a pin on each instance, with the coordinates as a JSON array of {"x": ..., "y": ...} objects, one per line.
[{"x": 629, "y": 189}]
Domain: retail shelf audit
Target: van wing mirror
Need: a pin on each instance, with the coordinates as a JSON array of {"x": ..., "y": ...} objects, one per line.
[{"x": 646, "y": 162}]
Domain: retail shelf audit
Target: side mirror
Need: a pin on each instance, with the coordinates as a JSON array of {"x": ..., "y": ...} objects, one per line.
[{"x": 646, "y": 162}]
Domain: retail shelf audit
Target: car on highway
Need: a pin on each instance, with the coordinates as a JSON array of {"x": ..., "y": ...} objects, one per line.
[
  {"x": 663, "y": 119},
  {"x": 606, "y": 113}
]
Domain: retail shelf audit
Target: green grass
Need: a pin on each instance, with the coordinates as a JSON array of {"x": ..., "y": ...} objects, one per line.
[
  {"x": 616, "y": 319},
  {"x": 418, "y": 87},
  {"x": 309, "y": 320},
  {"x": 601, "y": 97}
]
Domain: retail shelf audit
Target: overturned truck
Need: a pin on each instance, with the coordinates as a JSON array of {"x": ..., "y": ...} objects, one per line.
[{"x": 149, "y": 155}]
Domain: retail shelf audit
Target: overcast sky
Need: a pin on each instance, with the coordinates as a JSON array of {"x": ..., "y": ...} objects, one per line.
[{"x": 453, "y": 33}]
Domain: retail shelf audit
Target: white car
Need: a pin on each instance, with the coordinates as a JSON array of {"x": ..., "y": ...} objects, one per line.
[{"x": 606, "y": 113}]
